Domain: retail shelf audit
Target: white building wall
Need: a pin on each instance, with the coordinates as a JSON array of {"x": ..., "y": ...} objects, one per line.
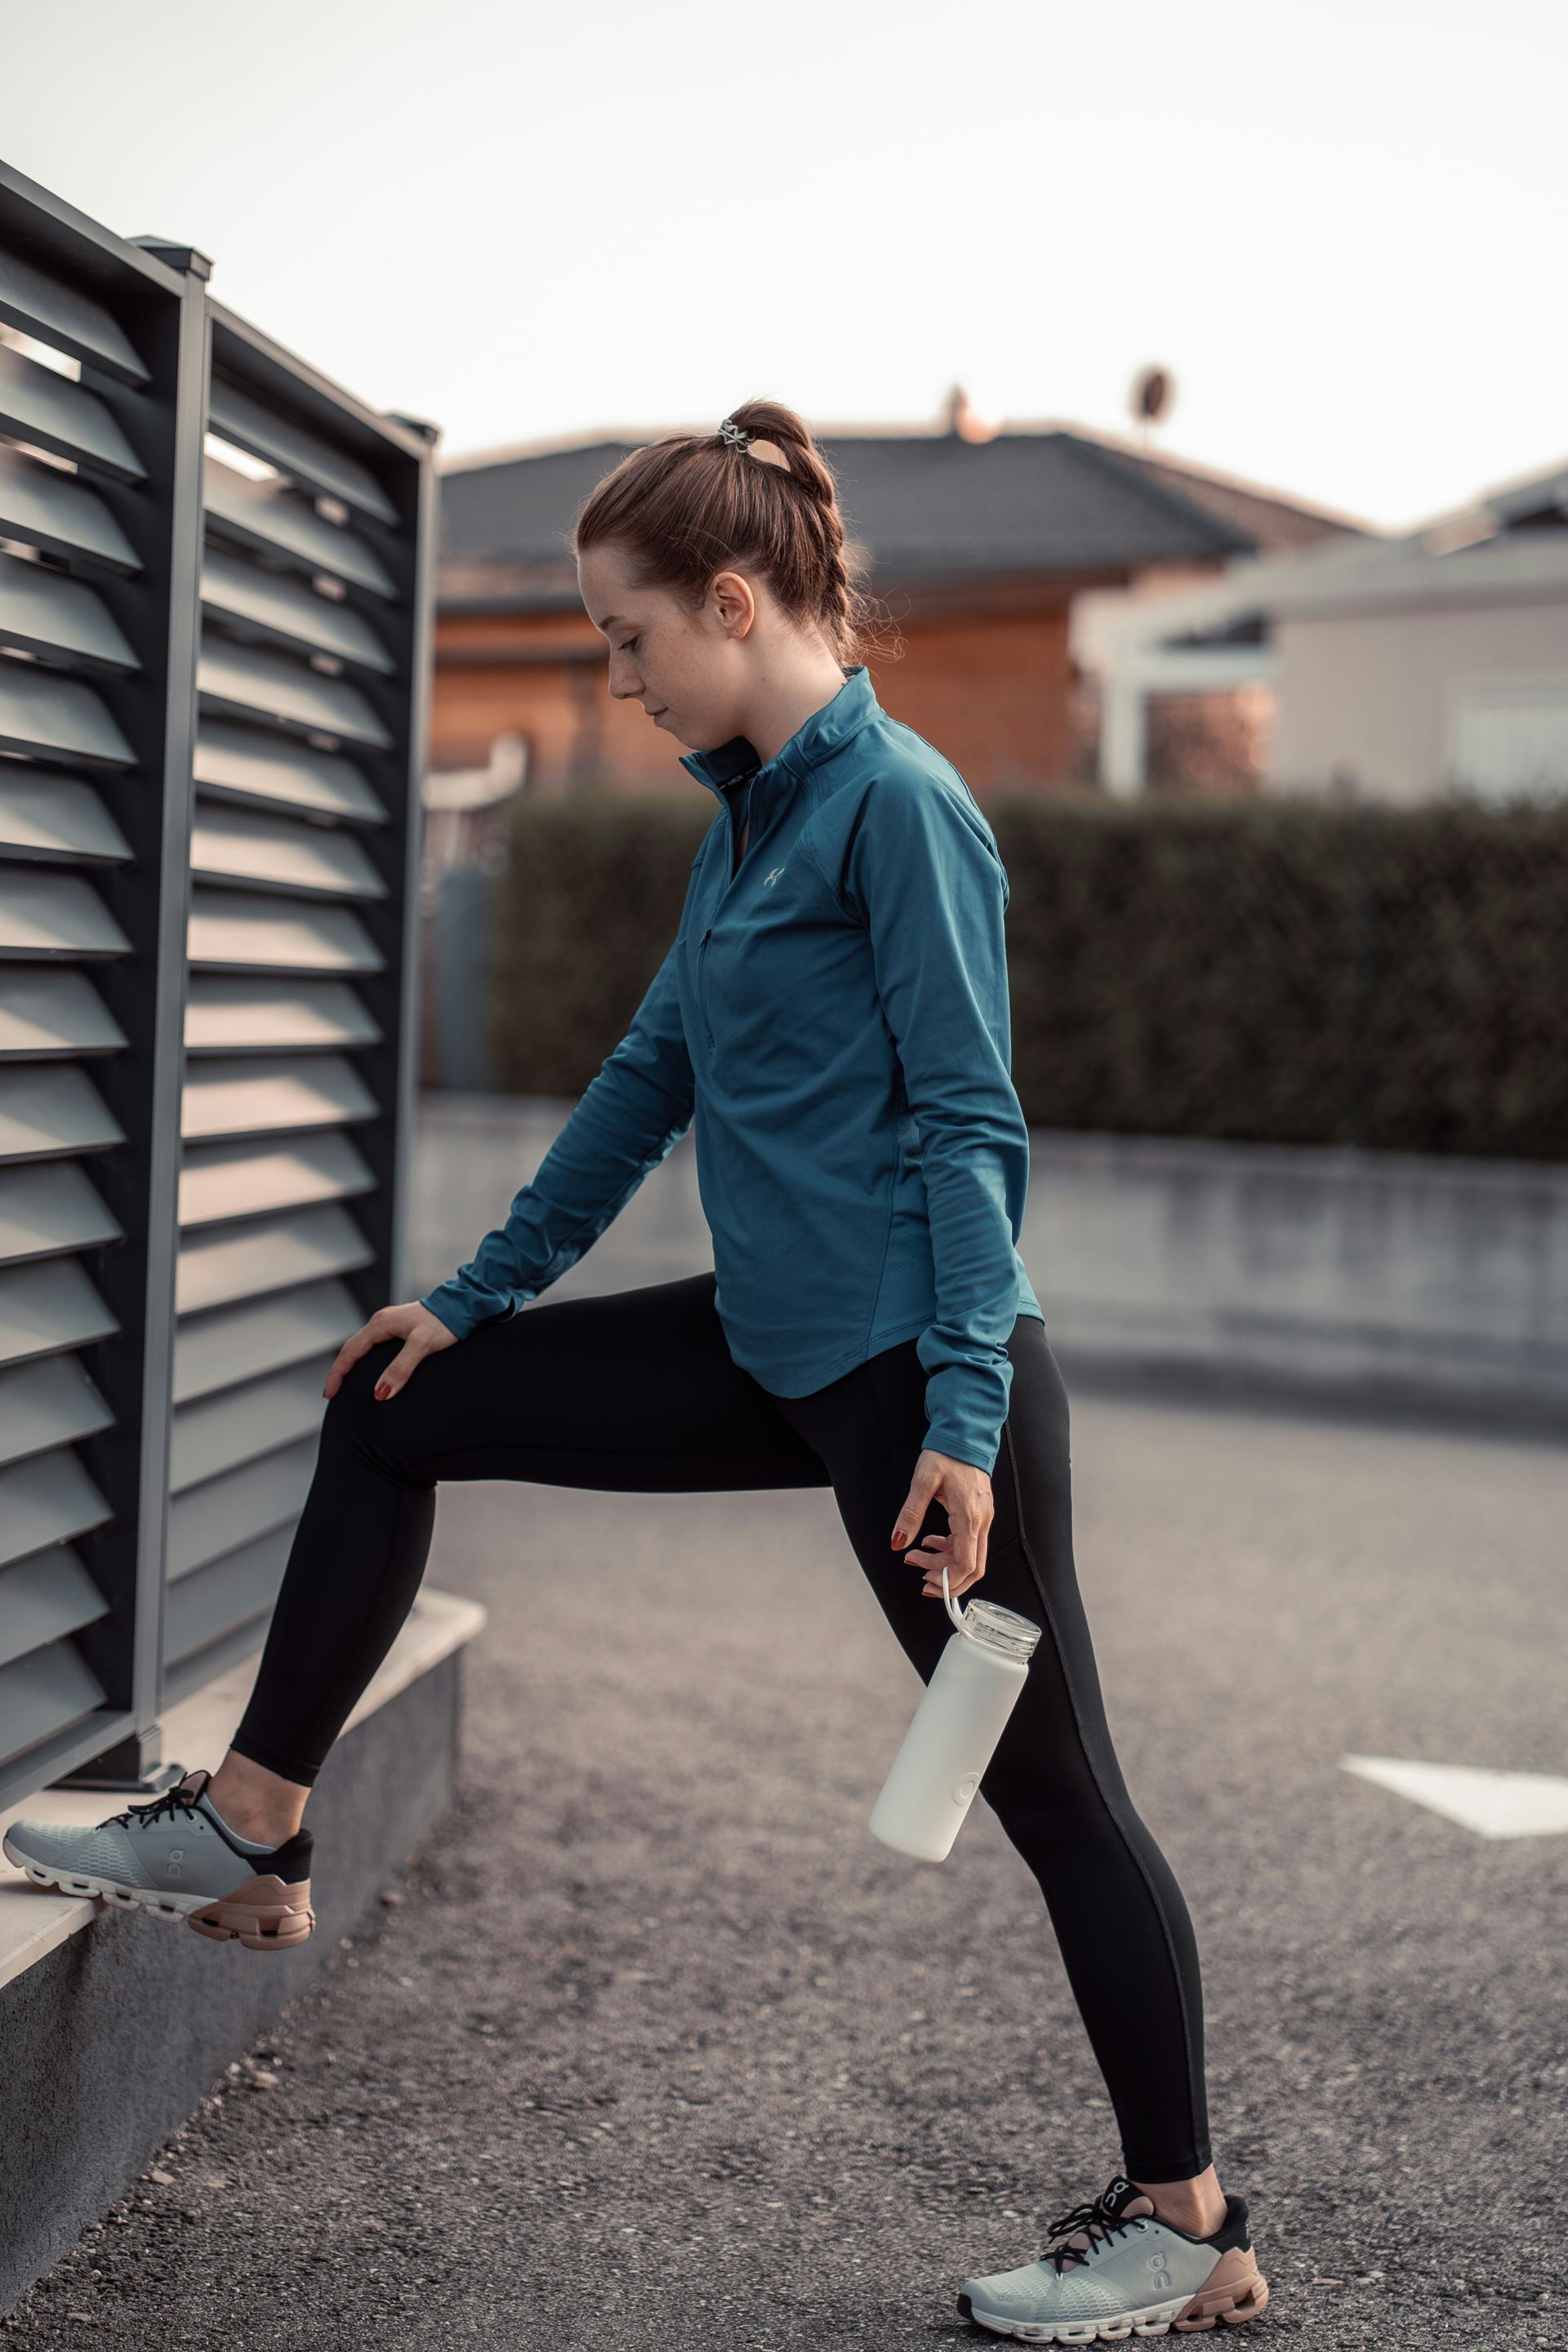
[{"x": 1380, "y": 693}]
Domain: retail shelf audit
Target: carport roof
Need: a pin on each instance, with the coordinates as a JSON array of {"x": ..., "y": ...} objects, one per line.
[{"x": 1508, "y": 545}]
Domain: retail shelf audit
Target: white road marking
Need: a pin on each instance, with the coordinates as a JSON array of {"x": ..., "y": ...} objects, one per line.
[{"x": 1494, "y": 1804}]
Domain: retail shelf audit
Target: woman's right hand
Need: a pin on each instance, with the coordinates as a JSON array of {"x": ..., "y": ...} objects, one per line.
[{"x": 422, "y": 1333}]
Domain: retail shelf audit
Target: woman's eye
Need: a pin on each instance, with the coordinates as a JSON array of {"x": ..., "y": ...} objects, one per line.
[{"x": 631, "y": 646}]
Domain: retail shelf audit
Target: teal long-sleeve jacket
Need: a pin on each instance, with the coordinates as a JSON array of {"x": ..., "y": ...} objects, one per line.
[{"x": 833, "y": 1014}]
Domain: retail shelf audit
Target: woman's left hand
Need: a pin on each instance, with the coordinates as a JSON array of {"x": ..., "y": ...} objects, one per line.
[{"x": 964, "y": 1493}]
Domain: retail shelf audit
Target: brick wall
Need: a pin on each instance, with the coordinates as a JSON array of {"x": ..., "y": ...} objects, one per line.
[{"x": 991, "y": 690}]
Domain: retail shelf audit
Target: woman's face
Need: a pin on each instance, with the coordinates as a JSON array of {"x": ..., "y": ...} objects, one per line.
[{"x": 687, "y": 669}]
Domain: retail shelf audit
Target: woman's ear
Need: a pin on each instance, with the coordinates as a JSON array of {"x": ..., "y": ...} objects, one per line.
[{"x": 733, "y": 602}]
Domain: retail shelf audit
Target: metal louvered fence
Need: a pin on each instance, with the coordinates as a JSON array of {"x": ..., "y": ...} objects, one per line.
[{"x": 215, "y": 614}]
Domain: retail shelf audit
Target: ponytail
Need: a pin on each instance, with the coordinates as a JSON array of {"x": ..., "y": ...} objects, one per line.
[{"x": 757, "y": 495}]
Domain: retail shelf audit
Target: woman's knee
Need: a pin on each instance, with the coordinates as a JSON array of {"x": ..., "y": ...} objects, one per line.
[
  {"x": 353, "y": 1407},
  {"x": 366, "y": 1368}
]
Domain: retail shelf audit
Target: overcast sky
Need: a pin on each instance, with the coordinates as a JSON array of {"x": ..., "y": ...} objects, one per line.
[{"x": 1340, "y": 224}]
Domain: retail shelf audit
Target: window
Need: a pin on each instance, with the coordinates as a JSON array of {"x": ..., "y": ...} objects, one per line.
[{"x": 1511, "y": 742}]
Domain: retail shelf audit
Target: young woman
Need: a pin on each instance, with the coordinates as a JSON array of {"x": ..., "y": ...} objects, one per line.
[{"x": 833, "y": 1013}]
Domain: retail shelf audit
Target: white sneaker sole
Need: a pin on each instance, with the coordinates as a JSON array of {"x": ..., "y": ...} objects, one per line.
[
  {"x": 1153, "y": 2321},
  {"x": 128, "y": 1898},
  {"x": 264, "y": 1914},
  {"x": 1235, "y": 2293}
]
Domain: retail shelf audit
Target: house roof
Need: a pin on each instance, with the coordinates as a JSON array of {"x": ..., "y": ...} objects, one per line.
[{"x": 931, "y": 506}]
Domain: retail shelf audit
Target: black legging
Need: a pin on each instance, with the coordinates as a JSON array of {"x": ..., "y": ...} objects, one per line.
[{"x": 636, "y": 1393}]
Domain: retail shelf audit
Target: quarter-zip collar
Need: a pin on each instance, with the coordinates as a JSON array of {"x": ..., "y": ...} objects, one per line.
[{"x": 853, "y": 707}]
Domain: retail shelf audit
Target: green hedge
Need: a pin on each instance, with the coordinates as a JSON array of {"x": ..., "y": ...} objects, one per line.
[
  {"x": 585, "y": 909},
  {"x": 1290, "y": 971}
]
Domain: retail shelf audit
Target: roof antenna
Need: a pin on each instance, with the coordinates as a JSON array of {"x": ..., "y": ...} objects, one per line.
[{"x": 1151, "y": 398}]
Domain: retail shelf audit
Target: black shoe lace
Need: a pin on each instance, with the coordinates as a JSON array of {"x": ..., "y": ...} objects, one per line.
[
  {"x": 1096, "y": 2225},
  {"x": 161, "y": 1808}
]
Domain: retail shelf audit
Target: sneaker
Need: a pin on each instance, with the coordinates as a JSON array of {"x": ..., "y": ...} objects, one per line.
[
  {"x": 178, "y": 1858},
  {"x": 1121, "y": 2273}
]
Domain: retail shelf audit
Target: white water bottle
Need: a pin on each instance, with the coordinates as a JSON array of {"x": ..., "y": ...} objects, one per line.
[{"x": 961, "y": 1716}]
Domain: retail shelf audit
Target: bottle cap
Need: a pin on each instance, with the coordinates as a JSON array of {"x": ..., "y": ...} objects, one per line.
[{"x": 993, "y": 1627}]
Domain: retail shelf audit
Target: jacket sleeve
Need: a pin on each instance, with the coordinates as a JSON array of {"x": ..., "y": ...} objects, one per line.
[
  {"x": 629, "y": 1117},
  {"x": 925, "y": 875}
]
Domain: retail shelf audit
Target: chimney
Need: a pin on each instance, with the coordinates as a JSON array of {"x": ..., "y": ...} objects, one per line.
[{"x": 962, "y": 419}]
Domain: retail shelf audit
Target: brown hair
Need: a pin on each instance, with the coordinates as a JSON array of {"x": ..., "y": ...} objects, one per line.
[{"x": 692, "y": 504}]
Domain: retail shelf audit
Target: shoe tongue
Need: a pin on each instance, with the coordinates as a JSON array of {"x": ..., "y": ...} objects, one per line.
[
  {"x": 1119, "y": 2202},
  {"x": 194, "y": 1785},
  {"x": 1122, "y": 2201}
]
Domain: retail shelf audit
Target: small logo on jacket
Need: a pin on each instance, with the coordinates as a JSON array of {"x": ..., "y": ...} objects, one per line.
[{"x": 768, "y": 880}]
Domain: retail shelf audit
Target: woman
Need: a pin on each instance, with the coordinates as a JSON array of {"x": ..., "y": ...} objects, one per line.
[{"x": 835, "y": 1007}]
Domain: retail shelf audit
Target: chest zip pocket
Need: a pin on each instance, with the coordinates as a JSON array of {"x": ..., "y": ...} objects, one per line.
[{"x": 702, "y": 981}]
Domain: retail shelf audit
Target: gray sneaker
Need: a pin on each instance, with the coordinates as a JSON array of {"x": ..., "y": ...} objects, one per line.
[
  {"x": 1120, "y": 2273},
  {"x": 177, "y": 1858}
]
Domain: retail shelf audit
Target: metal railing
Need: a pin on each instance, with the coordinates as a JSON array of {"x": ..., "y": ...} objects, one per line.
[{"x": 216, "y": 580}]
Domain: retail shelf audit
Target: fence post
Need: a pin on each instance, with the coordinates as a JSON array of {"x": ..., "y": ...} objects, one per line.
[
  {"x": 136, "y": 1762},
  {"x": 460, "y": 937},
  {"x": 421, "y": 637}
]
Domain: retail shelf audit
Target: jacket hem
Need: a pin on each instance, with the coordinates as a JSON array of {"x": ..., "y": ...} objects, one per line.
[{"x": 840, "y": 1364}]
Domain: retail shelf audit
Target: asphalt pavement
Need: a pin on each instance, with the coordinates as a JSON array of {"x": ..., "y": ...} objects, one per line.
[{"x": 654, "y": 2046}]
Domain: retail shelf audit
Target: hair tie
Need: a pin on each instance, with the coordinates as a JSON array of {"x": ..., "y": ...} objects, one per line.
[{"x": 736, "y": 436}]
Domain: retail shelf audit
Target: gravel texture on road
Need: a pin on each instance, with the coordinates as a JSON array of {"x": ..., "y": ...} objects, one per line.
[{"x": 654, "y": 2046}]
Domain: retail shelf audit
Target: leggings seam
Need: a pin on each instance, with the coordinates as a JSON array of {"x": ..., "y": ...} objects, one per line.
[{"x": 1094, "y": 1770}]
